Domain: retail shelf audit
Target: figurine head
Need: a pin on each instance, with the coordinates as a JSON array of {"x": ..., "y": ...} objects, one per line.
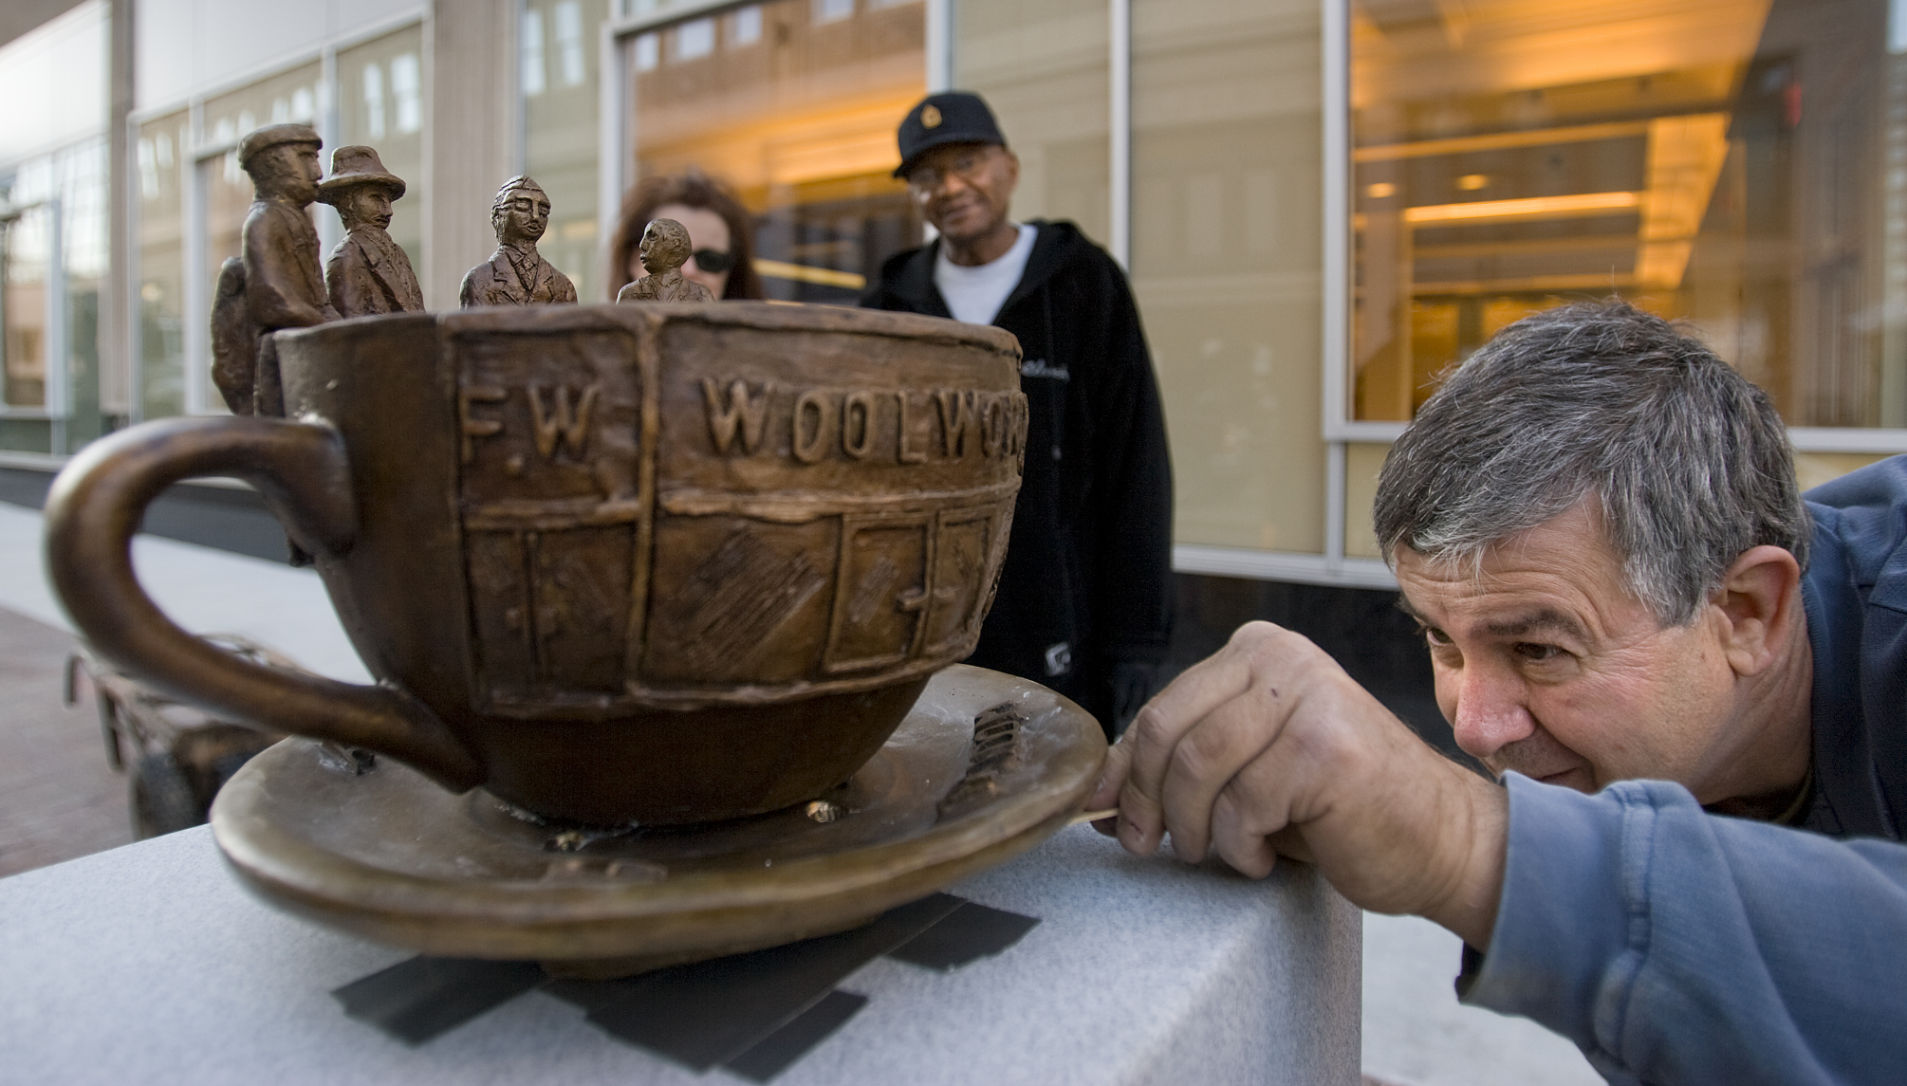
[
  {"x": 521, "y": 211},
  {"x": 282, "y": 160},
  {"x": 665, "y": 246},
  {"x": 360, "y": 188}
]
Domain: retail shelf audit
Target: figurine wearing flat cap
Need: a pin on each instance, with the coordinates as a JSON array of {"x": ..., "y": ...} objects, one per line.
[
  {"x": 1084, "y": 602},
  {"x": 276, "y": 282},
  {"x": 368, "y": 272},
  {"x": 516, "y": 274}
]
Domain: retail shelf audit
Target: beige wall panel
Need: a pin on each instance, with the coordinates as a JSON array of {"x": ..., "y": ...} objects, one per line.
[
  {"x": 470, "y": 142},
  {"x": 1227, "y": 261},
  {"x": 1361, "y": 466},
  {"x": 1044, "y": 69},
  {"x": 1813, "y": 469}
]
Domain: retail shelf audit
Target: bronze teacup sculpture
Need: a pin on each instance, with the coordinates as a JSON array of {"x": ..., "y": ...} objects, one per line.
[{"x": 657, "y": 564}]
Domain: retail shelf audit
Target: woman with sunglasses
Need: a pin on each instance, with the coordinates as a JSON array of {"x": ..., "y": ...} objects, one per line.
[{"x": 719, "y": 229}]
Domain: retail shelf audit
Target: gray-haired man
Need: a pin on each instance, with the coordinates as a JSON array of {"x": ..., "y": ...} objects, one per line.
[{"x": 1595, "y": 520}]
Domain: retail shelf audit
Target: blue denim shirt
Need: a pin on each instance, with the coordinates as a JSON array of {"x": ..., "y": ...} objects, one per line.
[{"x": 1676, "y": 946}]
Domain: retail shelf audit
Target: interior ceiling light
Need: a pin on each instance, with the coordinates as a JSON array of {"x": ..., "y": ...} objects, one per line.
[{"x": 1530, "y": 207}]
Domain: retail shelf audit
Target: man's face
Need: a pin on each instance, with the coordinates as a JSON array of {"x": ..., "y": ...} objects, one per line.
[
  {"x": 367, "y": 205},
  {"x": 292, "y": 170},
  {"x": 964, "y": 189},
  {"x": 524, "y": 216},
  {"x": 1545, "y": 663}
]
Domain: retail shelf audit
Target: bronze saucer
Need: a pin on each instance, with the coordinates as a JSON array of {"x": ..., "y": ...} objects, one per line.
[{"x": 983, "y": 768}]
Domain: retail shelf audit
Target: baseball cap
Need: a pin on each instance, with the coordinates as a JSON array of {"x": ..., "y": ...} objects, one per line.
[{"x": 943, "y": 118}]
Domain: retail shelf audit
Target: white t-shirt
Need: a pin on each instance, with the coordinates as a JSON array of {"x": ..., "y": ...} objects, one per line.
[{"x": 975, "y": 295}]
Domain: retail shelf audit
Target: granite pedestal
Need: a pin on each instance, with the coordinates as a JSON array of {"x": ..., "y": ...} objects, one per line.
[{"x": 150, "y": 963}]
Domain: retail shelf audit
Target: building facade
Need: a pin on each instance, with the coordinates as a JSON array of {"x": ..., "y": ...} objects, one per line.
[{"x": 1321, "y": 202}]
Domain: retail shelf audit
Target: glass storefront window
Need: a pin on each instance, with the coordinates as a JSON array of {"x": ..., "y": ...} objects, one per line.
[
  {"x": 1226, "y": 160},
  {"x": 288, "y": 97},
  {"x": 26, "y": 239},
  {"x": 560, "y": 131},
  {"x": 1044, "y": 69},
  {"x": 379, "y": 105},
  {"x": 1733, "y": 162},
  {"x": 160, "y": 159},
  {"x": 797, "y": 113}
]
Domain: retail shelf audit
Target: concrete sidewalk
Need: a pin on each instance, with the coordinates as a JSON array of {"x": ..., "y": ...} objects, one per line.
[{"x": 1415, "y": 1033}]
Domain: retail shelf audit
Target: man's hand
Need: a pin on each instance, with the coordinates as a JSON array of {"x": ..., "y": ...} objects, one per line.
[{"x": 1268, "y": 748}]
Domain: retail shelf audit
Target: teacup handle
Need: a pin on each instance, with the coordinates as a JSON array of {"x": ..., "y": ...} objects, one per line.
[{"x": 301, "y": 469}]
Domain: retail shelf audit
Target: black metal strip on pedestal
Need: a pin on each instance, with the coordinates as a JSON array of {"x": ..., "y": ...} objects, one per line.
[
  {"x": 755, "y": 1014},
  {"x": 779, "y": 1050},
  {"x": 969, "y": 933},
  {"x": 708, "y": 1013},
  {"x": 417, "y": 999}
]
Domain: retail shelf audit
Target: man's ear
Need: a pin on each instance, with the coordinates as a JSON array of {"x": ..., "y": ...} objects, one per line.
[{"x": 1759, "y": 605}]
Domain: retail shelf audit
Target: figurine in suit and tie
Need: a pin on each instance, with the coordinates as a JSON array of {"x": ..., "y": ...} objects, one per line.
[
  {"x": 515, "y": 274},
  {"x": 368, "y": 272}
]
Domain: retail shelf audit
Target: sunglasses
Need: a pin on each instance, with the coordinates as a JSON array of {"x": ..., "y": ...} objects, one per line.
[{"x": 714, "y": 261}]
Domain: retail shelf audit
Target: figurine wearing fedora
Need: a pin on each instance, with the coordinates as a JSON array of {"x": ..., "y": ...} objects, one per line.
[
  {"x": 516, "y": 274},
  {"x": 1084, "y": 603},
  {"x": 276, "y": 282},
  {"x": 368, "y": 272}
]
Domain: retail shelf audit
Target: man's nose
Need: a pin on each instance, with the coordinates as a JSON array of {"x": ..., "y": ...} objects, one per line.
[{"x": 1487, "y": 706}]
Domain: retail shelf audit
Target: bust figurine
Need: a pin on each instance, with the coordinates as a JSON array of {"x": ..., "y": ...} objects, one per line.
[
  {"x": 516, "y": 274},
  {"x": 665, "y": 248},
  {"x": 368, "y": 272}
]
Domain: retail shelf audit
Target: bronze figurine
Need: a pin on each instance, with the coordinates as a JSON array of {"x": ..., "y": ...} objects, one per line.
[
  {"x": 277, "y": 278},
  {"x": 368, "y": 272},
  {"x": 516, "y": 274},
  {"x": 665, "y": 248}
]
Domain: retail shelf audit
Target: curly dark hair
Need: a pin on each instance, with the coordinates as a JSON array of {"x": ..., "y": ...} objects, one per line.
[{"x": 691, "y": 189}]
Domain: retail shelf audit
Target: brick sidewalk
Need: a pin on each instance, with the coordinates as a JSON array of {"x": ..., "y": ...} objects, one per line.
[{"x": 59, "y": 797}]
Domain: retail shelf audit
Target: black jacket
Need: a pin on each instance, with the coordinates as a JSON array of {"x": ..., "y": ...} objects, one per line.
[{"x": 1085, "y": 599}]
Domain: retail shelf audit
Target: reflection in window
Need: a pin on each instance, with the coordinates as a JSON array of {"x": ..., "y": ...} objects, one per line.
[
  {"x": 1721, "y": 162},
  {"x": 744, "y": 26},
  {"x": 373, "y": 102},
  {"x": 160, "y": 329},
  {"x": 804, "y": 135},
  {"x": 569, "y": 41},
  {"x": 407, "y": 92},
  {"x": 25, "y": 260},
  {"x": 530, "y": 54},
  {"x": 379, "y": 104},
  {"x": 561, "y": 141},
  {"x": 695, "y": 38}
]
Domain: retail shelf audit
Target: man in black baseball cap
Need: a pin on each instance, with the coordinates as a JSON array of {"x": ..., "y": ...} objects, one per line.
[
  {"x": 944, "y": 118},
  {"x": 1084, "y": 603}
]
